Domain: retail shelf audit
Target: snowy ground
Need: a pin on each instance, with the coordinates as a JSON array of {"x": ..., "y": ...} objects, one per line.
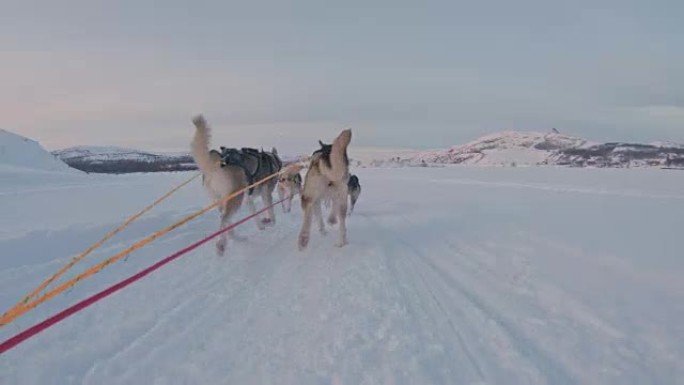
[{"x": 452, "y": 276}]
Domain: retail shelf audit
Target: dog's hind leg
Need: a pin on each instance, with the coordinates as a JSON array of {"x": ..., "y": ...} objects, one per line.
[
  {"x": 221, "y": 243},
  {"x": 340, "y": 208},
  {"x": 332, "y": 217},
  {"x": 319, "y": 217},
  {"x": 305, "y": 232},
  {"x": 227, "y": 211},
  {"x": 267, "y": 198}
]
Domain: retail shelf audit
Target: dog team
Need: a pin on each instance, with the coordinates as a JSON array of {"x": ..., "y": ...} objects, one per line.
[{"x": 230, "y": 170}]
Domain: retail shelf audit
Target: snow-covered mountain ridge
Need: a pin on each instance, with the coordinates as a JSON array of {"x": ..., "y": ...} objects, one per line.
[
  {"x": 117, "y": 160},
  {"x": 510, "y": 148},
  {"x": 507, "y": 148}
]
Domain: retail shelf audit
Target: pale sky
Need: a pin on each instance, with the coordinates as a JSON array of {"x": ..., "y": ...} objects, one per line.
[{"x": 286, "y": 73}]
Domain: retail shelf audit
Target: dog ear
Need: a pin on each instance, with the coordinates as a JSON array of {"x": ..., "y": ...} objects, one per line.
[
  {"x": 321, "y": 143},
  {"x": 274, "y": 151}
]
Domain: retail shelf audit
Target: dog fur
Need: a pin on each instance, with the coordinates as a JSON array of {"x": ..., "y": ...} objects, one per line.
[
  {"x": 218, "y": 181},
  {"x": 289, "y": 185},
  {"x": 354, "y": 188},
  {"x": 327, "y": 176}
]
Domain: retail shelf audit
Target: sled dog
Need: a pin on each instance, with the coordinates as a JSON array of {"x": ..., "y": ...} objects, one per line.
[
  {"x": 219, "y": 181},
  {"x": 327, "y": 176},
  {"x": 354, "y": 191},
  {"x": 256, "y": 166},
  {"x": 289, "y": 185}
]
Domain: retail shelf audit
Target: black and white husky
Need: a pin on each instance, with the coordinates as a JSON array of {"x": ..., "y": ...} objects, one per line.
[{"x": 327, "y": 176}]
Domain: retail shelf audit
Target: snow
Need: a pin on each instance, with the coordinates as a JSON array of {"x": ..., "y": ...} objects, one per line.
[
  {"x": 504, "y": 149},
  {"x": 19, "y": 152},
  {"x": 367, "y": 155},
  {"x": 667, "y": 144},
  {"x": 452, "y": 275}
]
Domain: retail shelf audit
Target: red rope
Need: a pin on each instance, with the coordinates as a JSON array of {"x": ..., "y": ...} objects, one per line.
[{"x": 35, "y": 329}]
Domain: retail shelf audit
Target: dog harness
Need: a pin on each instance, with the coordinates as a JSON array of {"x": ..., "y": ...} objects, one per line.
[{"x": 237, "y": 157}]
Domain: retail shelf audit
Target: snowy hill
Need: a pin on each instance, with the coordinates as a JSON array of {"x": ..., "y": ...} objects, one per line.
[
  {"x": 118, "y": 160},
  {"x": 534, "y": 148},
  {"x": 103, "y": 154},
  {"x": 508, "y": 148},
  {"x": 505, "y": 148},
  {"x": 620, "y": 155},
  {"x": 18, "y": 151}
]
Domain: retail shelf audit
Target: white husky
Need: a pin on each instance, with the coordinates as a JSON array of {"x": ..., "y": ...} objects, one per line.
[
  {"x": 218, "y": 181},
  {"x": 327, "y": 177}
]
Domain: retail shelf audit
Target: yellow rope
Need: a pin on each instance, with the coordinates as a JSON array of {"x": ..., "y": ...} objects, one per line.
[
  {"x": 99, "y": 243},
  {"x": 22, "y": 307}
]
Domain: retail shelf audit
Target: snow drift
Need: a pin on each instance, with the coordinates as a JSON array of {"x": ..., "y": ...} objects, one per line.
[{"x": 18, "y": 151}]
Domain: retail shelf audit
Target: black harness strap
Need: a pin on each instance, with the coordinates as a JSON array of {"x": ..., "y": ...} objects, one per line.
[{"x": 235, "y": 157}]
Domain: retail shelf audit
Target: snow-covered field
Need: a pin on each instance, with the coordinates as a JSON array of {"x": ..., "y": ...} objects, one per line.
[{"x": 452, "y": 276}]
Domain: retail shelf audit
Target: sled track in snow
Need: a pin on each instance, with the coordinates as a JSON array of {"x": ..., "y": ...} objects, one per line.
[
  {"x": 474, "y": 285},
  {"x": 455, "y": 293}
]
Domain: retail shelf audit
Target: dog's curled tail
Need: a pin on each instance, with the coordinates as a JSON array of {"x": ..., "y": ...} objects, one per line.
[
  {"x": 339, "y": 163},
  {"x": 200, "y": 145}
]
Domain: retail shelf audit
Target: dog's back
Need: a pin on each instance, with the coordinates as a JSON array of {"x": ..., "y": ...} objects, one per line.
[{"x": 255, "y": 164}]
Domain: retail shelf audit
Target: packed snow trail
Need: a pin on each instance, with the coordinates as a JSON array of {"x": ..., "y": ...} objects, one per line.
[{"x": 452, "y": 275}]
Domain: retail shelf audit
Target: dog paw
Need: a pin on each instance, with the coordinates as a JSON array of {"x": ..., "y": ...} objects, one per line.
[
  {"x": 340, "y": 243},
  {"x": 303, "y": 241},
  {"x": 220, "y": 248}
]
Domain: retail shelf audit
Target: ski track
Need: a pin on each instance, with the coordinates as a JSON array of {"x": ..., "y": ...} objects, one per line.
[{"x": 472, "y": 289}]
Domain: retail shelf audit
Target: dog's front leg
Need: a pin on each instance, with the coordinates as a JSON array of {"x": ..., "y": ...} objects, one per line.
[
  {"x": 281, "y": 196},
  {"x": 252, "y": 209},
  {"x": 289, "y": 203}
]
